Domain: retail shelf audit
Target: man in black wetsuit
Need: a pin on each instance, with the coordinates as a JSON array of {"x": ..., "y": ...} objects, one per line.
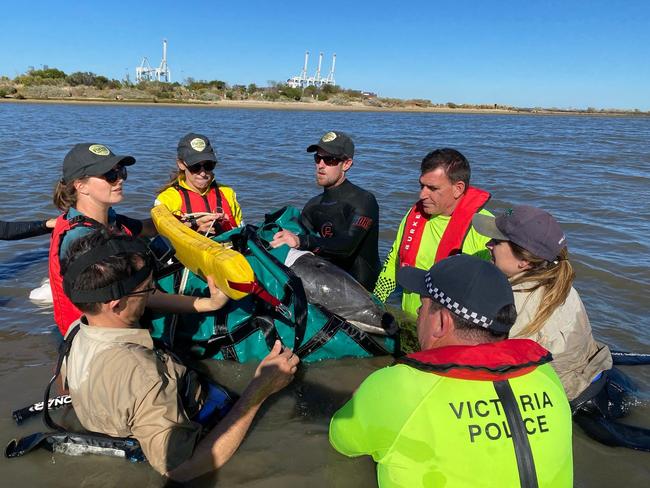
[{"x": 345, "y": 217}]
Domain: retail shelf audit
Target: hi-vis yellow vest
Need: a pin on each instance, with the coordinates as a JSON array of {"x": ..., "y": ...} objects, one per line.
[{"x": 425, "y": 428}]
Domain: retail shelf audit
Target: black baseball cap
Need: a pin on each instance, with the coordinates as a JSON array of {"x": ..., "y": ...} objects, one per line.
[
  {"x": 469, "y": 287},
  {"x": 529, "y": 227},
  {"x": 337, "y": 144},
  {"x": 195, "y": 148},
  {"x": 91, "y": 159}
]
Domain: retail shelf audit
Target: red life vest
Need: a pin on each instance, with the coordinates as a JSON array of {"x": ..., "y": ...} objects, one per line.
[
  {"x": 209, "y": 202},
  {"x": 491, "y": 361},
  {"x": 454, "y": 235},
  {"x": 64, "y": 310}
]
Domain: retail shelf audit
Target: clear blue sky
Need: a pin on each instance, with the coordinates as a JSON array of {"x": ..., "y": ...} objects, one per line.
[{"x": 525, "y": 53}]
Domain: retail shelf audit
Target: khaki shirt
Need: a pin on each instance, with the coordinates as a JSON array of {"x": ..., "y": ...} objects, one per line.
[
  {"x": 577, "y": 357},
  {"x": 122, "y": 387}
]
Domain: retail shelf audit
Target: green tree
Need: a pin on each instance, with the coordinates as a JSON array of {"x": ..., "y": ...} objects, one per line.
[
  {"x": 51, "y": 73},
  {"x": 81, "y": 78},
  {"x": 330, "y": 89},
  {"x": 292, "y": 93}
]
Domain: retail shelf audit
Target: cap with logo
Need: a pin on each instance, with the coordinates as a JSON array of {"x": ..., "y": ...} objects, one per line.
[
  {"x": 337, "y": 144},
  {"x": 473, "y": 289},
  {"x": 195, "y": 148},
  {"x": 529, "y": 227},
  {"x": 91, "y": 159}
]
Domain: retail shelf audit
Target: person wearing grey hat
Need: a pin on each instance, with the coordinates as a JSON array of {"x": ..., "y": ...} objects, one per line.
[
  {"x": 343, "y": 221},
  {"x": 530, "y": 247},
  {"x": 469, "y": 393},
  {"x": 91, "y": 183},
  {"x": 438, "y": 225},
  {"x": 193, "y": 192}
]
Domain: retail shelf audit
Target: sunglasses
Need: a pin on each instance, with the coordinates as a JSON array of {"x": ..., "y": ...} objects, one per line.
[
  {"x": 118, "y": 173},
  {"x": 206, "y": 165},
  {"x": 328, "y": 160},
  {"x": 495, "y": 242}
]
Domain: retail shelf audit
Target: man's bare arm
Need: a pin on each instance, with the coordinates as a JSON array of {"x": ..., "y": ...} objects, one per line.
[{"x": 274, "y": 373}]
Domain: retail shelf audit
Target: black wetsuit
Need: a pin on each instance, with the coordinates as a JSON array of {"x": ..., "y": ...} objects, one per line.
[
  {"x": 10, "y": 231},
  {"x": 346, "y": 219}
]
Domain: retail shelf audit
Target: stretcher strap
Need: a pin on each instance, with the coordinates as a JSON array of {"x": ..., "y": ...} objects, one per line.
[{"x": 256, "y": 289}]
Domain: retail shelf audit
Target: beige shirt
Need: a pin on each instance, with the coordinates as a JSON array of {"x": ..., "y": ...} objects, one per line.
[
  {"x": 122, "y": 387},
  {"x": 577, "y": 357}
]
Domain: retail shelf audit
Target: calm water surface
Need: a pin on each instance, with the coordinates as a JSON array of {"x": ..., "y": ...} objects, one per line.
[{"x": 592, "y": 173}]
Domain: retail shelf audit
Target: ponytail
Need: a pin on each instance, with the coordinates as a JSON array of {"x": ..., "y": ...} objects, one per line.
[
  {"x": 65, "y": 195},
  {"x": 556, "y": 279}
]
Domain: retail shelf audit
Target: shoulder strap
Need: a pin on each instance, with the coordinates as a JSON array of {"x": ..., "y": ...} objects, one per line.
[
  {"x": 461, "y": 220},
  {"x": 84, "y": 220},
  {"x": 185, "y": 197},
  {"x": 64, "y": 351},
  {"x": 523, "y": 452}
]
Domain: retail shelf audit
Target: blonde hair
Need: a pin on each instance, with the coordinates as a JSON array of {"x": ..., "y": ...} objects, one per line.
[
  {"x": 173, "y": 178},
  {"x": 65, "y": 195},
  {"x": 556, "y": 279}
]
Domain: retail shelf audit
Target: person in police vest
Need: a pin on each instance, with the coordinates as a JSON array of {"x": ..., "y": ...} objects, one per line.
[
  {"x": 438, "y": 225},
  {"x": 193, "y": 192},
  {"x": 123, "y": 386},
  {"x": 472, "y": 408}
]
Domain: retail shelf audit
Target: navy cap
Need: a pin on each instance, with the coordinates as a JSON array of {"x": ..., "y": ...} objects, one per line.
[
  {"x": 529, "y": 227},
  {"x": 473, "y": 289},
  {"x": 91, "y": 159},
  {"x": 195, "y": 148},
  {"x": 337, "y": 144}
]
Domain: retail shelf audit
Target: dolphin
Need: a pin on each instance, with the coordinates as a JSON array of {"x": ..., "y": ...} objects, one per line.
[{"x": 329, "y": 286}]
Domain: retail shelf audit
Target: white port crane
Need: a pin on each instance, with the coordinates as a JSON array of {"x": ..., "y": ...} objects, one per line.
[
  {"x": 303, "y": 81},
  {"x": 145, "y": 72}
]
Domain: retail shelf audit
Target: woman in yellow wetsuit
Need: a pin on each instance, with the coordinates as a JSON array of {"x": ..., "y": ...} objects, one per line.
[{"x": 193, "y": 193}]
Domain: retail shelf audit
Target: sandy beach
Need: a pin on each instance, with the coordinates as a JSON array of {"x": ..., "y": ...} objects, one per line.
[{"x": 314, "y": 106}]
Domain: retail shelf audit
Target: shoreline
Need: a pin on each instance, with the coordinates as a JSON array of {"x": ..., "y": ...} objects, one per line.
[{"x": 313, "y": 106}]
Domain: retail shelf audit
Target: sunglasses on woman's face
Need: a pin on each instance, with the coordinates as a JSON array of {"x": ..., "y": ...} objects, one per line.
[
  {"x": 206, "y": 165},
  {"x": 117, "y": 173},
  {"x": 328, "y": 160}
]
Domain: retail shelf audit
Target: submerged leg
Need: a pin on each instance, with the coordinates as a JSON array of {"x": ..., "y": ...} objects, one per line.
[{"x": 612, "y": 433}]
